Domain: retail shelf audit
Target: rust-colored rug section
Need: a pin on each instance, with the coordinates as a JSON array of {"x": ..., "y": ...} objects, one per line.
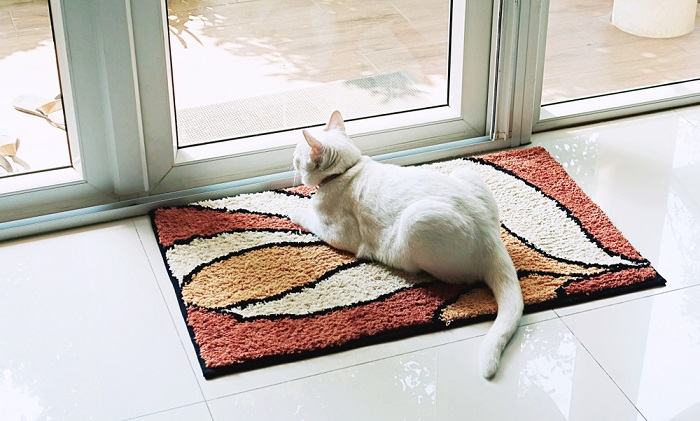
[{"x": 256, "y": 290}]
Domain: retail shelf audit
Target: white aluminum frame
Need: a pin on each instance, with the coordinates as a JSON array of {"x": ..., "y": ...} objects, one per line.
[
  {"x": 172, "y": 169},
  {"x": 139, "y": 206},
  {"x": 520, "y": 59}
]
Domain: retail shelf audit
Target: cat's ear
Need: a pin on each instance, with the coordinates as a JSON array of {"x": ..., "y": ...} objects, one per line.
[
  {"x": 315, "y": 144},
  {"x": 336, "y": 122}
]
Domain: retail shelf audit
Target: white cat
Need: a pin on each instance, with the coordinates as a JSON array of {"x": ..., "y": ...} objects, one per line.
[{"x": 412, "y": 219}]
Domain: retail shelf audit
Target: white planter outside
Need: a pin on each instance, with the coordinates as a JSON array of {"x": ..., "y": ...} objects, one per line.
[{"x": 655, "y": 18}]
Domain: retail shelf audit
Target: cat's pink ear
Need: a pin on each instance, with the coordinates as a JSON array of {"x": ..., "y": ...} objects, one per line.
[
  {"x": 315, "y": 144},
  {"x": 336, "y": 122}
]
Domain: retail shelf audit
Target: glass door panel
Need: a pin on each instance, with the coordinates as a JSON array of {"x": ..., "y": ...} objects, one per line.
[
  {"x": 33, "y": 135},
  {"x": 242, "y": 69},
  {"x": 588, "y": 56}
]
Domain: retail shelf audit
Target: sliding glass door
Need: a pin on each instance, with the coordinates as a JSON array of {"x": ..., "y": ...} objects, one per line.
[
  {"x": 242, "y": 70},
  {"x": 33, "y": 137},
  {"x": 136, "y": 101},
  {"x": 605, "y": 58}
]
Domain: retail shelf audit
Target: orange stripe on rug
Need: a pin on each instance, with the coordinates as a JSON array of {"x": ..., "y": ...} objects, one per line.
[{"x": 260, "y": 274}]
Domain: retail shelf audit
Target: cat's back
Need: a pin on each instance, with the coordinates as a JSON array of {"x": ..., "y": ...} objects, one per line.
[{"x": 394, "y": 187}]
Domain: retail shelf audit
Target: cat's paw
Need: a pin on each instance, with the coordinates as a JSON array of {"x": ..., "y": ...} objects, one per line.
[{"x": 298, "y": 216}]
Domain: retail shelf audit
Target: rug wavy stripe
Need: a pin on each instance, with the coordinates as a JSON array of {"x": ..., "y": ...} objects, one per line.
[
  {"x": 354, "y": 285},
  {"x": 553, "y": 180},
  {"x": 224, "y": 340},
  {"x": 478, "y": 301},
  {"x": 519, "y": 205},
  {"x": 265, "y": 202},
  {"x": 259, "y": 274},
  {"x": 184, "y": 223},
  {"x": 184, "y": 258},
  {"x": 301, "y": 190},
  {"x": 528, "y": 259},
  {"x": 370, "y": 281},
  {"x": 610, "y": 280}
]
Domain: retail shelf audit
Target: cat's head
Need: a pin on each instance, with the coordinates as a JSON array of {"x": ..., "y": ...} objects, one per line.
[{"x": 325, "y": 152}]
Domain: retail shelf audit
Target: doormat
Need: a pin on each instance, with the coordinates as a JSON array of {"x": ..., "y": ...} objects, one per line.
[{"x": 256, "y": 289}]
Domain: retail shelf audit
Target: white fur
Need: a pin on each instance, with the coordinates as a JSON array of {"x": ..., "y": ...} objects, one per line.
[{"x": 413, "y": 219}]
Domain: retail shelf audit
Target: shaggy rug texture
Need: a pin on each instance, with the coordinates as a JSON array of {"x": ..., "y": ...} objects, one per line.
[{"x": 256, "y": 289}]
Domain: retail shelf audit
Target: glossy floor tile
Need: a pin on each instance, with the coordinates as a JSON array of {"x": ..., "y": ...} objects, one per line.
[
  {"x": 691, "y": 114},
  {"x": 642, "y": 172},
  {"x": 546, "y": 375},
  {"x": 84, "y": 330},
  {"x": 650, "y": 348},
  {"x": 196, "y": 412}
]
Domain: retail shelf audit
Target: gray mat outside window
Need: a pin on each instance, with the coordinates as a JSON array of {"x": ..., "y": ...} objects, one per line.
[{"x": 369, "y": 96}]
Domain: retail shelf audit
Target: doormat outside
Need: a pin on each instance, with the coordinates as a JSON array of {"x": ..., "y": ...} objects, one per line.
[{"x": 257, "y": 290}]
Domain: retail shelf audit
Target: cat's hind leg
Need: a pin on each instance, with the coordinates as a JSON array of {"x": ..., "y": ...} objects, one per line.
[{"x": 430, "y": 237}]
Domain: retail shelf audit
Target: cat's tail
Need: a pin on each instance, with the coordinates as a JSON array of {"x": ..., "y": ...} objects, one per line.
[{"x": 503, "y": 281}]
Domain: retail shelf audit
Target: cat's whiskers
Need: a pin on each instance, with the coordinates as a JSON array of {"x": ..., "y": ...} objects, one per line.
[{"x": 295, "y": 180}]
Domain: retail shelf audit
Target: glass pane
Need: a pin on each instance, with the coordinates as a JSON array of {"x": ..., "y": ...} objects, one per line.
[
  {"x": 32, "y": 123},
  {"x": 588, "y": 54},
  {"x": 261, "y": 66}
]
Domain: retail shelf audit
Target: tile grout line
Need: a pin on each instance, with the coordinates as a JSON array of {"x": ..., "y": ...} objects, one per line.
[
  {"x": 211, "y": 415},
  {"x": 682, "y": 117},
  {"x": 661, "y": 292},
  {"x": 639, "y": 411},
  {"x": 366, "y": 362},
  {"x": 161, "y": 411},
  {"x": 170, "y": 315}
]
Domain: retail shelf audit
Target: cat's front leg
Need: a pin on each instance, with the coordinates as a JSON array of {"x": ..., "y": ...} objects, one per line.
[
  {"x": 306, "y": 218},
  {"x": 310, "y": 221}
]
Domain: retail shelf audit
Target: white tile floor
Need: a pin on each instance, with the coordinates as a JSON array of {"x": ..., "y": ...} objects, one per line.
[{"x": 90, "y": 329}]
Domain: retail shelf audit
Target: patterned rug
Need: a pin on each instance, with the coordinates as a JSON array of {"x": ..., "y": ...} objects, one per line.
[{"x": 257, "y": 290}]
